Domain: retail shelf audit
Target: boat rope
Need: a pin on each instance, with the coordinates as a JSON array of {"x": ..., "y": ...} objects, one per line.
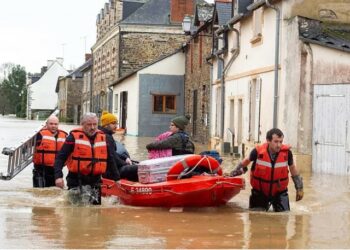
[
  {"x": 204, "y": 189},
  {"x": 184, "y": 173}
]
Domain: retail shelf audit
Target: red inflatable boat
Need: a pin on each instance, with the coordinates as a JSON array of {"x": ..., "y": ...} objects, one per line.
[{"x": 197, "y": 191}]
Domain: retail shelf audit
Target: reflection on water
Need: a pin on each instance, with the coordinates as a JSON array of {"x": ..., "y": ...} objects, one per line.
[{"x": 42, "y": 218}]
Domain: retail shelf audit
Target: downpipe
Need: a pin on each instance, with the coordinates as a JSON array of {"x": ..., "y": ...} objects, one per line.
[{"x": 277, "y": 45}]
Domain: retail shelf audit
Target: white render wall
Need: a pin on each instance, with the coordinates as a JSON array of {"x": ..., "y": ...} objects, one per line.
[
  {"x": 172, "y": 65},
  {"x": 131, "y": 85},
  {"x": 43, "y": 95},
  {"x": 255, "y": 61}
]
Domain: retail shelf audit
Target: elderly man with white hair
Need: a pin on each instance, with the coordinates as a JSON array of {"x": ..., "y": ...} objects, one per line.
[
  {"x": 88, "y": 156},
  {"x": 49, "y": 141}
]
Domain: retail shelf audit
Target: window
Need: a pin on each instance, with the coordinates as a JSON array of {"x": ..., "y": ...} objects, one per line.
[
  {"x": 164, "y": 103},
  {"x": 116, "y": 102},
  {"x": 254, "y": 110},
  {"x": 258, "y": 20}
]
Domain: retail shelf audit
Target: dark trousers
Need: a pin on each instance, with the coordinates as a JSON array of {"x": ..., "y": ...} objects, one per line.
[
  {"x": 279, "y": 202},
  {"x": 129, "y": 172},
  {"x": 43, "y": 176},
  {"x": 84, "y": 189}
]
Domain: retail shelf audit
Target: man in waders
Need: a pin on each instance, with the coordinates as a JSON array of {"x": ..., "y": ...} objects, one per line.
[
  {"x": 88, "y": 156},
  {"x": 49, "y": 141},
  {"x": 269, "y": 174}
]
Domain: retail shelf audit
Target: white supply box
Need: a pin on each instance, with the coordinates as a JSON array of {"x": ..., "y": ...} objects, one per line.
[{"x": 155, "y": 170}]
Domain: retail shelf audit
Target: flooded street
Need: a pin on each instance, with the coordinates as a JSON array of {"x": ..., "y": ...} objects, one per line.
[{"x": 42, "y": 218}]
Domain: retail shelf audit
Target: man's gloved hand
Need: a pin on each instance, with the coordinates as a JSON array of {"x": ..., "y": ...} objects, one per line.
[
  {"x": 300, "y": 195},
  {"x": 239, "y": 170},
  {"x": 298, "y": 183}
]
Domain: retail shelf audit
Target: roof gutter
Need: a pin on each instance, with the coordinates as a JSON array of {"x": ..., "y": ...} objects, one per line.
[{"x": 256, "y": 5}]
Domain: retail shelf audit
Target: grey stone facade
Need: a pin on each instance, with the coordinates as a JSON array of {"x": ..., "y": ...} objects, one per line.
[
  {"x": 69, "y": 98},
  {"x": 128, "y": 40},
  {"x": 140, "y": 49},
  {"x": 198, "y": 83}
]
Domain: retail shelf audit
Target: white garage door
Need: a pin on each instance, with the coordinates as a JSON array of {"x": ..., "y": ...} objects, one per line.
[{"x": 331, "y": 129}]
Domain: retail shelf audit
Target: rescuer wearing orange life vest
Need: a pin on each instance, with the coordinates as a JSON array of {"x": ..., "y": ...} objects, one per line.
[
  {"x": 49, "y": 141},
  {"x": 269, "y": 174},
  {"x": 88, "y": 156}
]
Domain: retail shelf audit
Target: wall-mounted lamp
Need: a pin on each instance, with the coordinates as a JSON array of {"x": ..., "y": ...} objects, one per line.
[{"x": 186, "y": 24}]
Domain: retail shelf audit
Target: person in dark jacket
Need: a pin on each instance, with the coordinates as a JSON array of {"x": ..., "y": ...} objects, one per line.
[
  {"x": 49, "y": 141},
  {"x": 128, "y": 171},
  {"x": 179, "y": 141},
  {"x": 88, "y": 155}
]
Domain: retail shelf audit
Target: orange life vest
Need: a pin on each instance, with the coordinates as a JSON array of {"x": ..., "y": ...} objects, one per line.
[
  {"x": 45, "y": 153},
  {"x": 269, "y": 178},
  {"x": 88, "y": 158}
]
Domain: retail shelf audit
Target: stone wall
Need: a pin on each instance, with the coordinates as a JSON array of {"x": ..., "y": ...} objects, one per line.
[
  {"x": 108, "y": 17},
  {"x": 197, "y": 79},
  {"x": 74, "y": 97},
  {"x": 140, "y": 49},
  {"x": 105, "y": 66}
]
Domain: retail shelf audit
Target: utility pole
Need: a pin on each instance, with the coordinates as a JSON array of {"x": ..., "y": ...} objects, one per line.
[{"x": 63, "y": 44}]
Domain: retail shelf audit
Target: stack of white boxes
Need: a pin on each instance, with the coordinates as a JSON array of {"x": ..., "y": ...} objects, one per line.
[{"x": 155, "y": 170}]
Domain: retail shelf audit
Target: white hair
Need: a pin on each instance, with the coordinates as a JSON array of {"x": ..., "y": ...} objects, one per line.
[{"x": 88, "y": 116}]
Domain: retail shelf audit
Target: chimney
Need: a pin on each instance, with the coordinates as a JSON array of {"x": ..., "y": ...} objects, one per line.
[
  {"x": 43, "y": 70},
  {"x": 180, "y": 8},
  {"x": 87, "y": 57},
  {"x": 59, "y": 60}
]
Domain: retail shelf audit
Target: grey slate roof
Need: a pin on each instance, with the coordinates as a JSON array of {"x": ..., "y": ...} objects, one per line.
[
  {"x": 224, "y": 12},
  {"x": 86, "y": 66},
  {"x": 153, "y": 12},
  {"x": 331, "y": 35},
  {"x": 204, "y": 12},
  {"x": 130, "y": 6}
]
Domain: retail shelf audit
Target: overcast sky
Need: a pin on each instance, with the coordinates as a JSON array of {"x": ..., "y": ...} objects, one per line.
[{"x": 34, "y": 31}]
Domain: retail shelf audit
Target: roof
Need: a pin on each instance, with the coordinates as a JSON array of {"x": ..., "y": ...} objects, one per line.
[
  {"x": 204, "y": 12},
  {"x": 86, "y": 66},
  {"x": 130, "y": 6},
  {"x": 147, "y": 65},
  {"x": 224, "y": 12},
  {"x": 153, "y": 12},
  {"x": 77, "y": 73},
  {"x": 335, "y": 36}
]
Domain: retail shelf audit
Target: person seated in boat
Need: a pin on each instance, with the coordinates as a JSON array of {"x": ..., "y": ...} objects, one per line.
[
  {"x": 128, "y": 171},
  {"x": 272, "y": 161},
  {"x": 49, "y": 141},
  {"x": 178, "y": 140},
  {"x": 109, "y": 123},
  {"x": 160, "y": 153},
  {"x": 88, "y": 156}
]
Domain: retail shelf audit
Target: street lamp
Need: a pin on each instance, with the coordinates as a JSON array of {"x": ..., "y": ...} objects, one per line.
[{"x": 186, "y": 24}]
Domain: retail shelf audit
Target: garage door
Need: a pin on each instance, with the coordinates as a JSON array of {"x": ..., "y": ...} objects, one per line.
[{"x": 331, "y": 139}]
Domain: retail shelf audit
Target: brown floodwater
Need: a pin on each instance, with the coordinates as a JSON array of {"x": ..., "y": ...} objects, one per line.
[{"x": 42, "y": 218}]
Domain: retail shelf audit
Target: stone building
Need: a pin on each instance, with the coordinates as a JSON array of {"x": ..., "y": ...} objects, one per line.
[
  {"x": 69, "y": 90},
  {"x": 197, "y": 76},
  {"x": 132, "y": 34},
  {"x": 86, "y": 71}
]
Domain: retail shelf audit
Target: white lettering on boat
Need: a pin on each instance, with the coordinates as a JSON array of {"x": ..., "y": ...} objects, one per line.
[{"x": 141, "y": 190}]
